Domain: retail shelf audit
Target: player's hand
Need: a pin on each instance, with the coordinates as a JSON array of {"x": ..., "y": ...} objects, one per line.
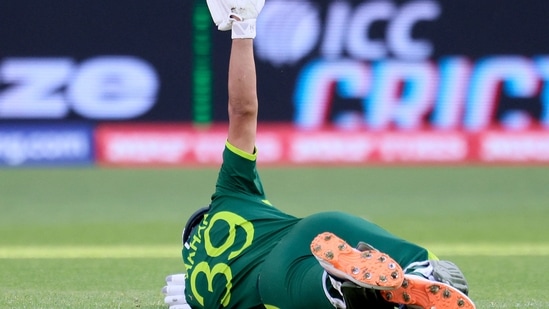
[
  {"x": 174, "y": 292},
  {"x": 226, "y": 12},
  {"x": 220, "y": 11},
  {"x": 246, "y": 9}
]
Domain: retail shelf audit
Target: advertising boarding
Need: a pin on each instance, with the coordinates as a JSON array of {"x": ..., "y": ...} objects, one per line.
[{"x": 339, "y": 82}]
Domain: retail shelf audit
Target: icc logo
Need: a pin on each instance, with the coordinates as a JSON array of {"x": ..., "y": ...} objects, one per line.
[{"x": 344, "y": 31}]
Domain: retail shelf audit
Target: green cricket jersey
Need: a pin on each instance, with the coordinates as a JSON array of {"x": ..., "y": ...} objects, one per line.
[{"x": 227, "y": 249}]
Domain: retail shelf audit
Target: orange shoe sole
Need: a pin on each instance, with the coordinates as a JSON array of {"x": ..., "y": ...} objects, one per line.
[
  {"x": 369, "y": 269},
  {"x": 417, "y": 292}
]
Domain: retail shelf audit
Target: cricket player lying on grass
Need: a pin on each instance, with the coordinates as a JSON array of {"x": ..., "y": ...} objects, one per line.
[{"x": 242, "y": 252}]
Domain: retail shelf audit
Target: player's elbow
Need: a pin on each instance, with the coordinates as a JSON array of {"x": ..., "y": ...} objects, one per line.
[{"x": 239, "y": 108}]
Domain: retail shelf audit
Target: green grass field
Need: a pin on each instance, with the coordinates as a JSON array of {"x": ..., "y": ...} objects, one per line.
[{"x": 97, "y": 238}]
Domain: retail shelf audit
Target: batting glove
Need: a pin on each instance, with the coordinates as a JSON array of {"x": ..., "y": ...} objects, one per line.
[
  {"x": 220, "y": 11},
  {"x": 174, "y": 292},
  {"x": 238, "y": 15}
]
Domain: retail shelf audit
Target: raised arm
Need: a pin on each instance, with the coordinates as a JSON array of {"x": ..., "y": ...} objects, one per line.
[
  {"x": 243, "y": 104},
  {"x": 240, "y": 16}
]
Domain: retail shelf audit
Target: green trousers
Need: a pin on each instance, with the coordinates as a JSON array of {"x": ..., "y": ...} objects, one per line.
[{"x": 291, "y": 276}]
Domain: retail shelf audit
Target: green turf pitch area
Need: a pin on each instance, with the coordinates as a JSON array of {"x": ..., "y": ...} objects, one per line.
[{"x": 95, "y": 238}]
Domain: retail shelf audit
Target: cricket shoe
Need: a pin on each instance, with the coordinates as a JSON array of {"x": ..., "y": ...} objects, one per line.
[
  {"x": 363, "y": 266},
  {"x": 421, "y": 293}
]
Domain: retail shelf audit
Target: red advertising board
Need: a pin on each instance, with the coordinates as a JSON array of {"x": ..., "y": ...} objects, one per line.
[{"x": 185, "y": 145}]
